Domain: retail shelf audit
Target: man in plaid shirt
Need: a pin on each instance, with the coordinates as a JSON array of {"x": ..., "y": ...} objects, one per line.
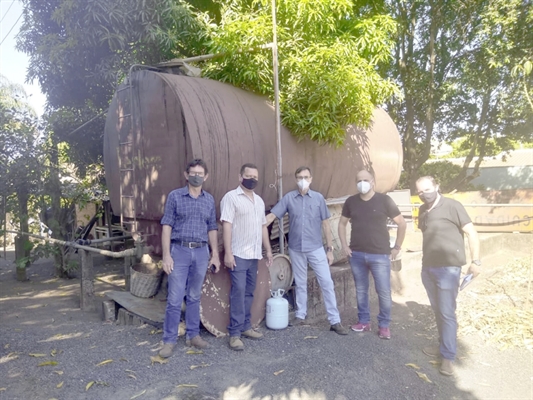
[{"x": 189, "y": 223}]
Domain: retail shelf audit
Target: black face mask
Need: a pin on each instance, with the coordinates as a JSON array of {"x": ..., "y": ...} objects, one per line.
[
  {"x": 195, "y": 180},
  {"x": 249, "y": 184},
  {"x": 428, "y": 197}
]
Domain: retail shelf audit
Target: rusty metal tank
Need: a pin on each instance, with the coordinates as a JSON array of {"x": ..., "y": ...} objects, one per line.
[{"x": 175, "y": 119}]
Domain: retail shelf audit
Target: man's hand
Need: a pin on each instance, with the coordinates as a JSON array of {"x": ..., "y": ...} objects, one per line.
[
  {"x": 269, "y": 258},
  {"x": 168, "y": 264},
  {"x": 329, "y": 255},
  {"x": 394, "y": 254},
  {"x": 474, "y": 269},
  {"x": 346, "y": 251},
  {"x": 229, "y": 261},
  {"x": 215, "y": 260}
]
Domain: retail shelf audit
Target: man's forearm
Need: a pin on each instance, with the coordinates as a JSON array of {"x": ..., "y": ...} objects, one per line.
[
  {"x": 213, "y": 242},
  {"x": 327, "y": 232},
  {"x": 165, "y": 240},
  {"x": 226, "y": 235},
  {"x": 266, "y": 239},
  {"x": 342, "y": 234}
]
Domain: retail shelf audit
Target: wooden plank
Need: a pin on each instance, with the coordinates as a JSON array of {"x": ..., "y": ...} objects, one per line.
[{"x": 150, "y": 310}]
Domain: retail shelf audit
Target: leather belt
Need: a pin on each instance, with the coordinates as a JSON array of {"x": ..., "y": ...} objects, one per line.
[{"x": 190, "y": 245}]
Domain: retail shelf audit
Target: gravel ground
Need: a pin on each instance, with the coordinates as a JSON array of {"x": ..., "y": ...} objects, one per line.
[{"x": 42, "y": 317}]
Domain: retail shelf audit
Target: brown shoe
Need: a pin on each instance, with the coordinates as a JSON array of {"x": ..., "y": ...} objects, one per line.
[
  {"x": 197, "y": 342},
  {"x": 166, "y": 351},
  {"x": 235, "y": 343},
  {"x": 432, "y": 351},
  {"x": 251, "y": 334},
  {"x": 446, "y": 367},
  {"x": 338, "y": 328}
]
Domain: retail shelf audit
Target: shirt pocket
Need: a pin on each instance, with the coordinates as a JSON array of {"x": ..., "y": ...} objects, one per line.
[{"x": 314, "y": 211}]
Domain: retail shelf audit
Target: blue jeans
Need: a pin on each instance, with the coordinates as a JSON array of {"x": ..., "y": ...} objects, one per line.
[
  {"x": 379, "y": 265},
  {"x": 190, "y": 267},
  {"x": 442, "y": 286},
  {"x": 243, "y": 279},
  {"x": 319, "y": 263}
]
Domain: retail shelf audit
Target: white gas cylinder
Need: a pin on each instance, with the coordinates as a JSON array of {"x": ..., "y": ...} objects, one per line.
[{"x": 277, "y": 310}]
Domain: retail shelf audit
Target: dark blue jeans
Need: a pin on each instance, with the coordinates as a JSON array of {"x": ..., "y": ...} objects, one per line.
[
  {"x": 190, "y": 267},
  {"x": 379, "y": 265},
  {"x": 442, "y": 286},
  {"x": 243, "y": 279}
]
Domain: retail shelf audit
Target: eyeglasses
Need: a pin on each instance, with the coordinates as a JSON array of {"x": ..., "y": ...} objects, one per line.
[
  {"x": 299, "y": 178},
  {"x": 196, "y": 174}
]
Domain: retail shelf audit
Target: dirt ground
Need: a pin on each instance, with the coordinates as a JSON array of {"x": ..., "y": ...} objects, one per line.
[{"x": 50, "y": 349}]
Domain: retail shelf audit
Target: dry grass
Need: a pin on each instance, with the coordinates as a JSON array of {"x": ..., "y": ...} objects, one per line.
[{"x": 501, "y": 310}]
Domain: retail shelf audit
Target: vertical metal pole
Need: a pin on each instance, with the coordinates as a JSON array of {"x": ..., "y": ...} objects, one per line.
[{"x": 278, "y": 122}]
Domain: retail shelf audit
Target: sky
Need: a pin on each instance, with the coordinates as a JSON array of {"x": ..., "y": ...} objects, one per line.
[{"x": 13, "y": 63}]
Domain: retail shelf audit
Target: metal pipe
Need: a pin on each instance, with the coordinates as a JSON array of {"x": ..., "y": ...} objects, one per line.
[
  {"x": 109, "y": 239},
  {"x": 121, "y": 254},
  {"x": 278, "y": 121}
]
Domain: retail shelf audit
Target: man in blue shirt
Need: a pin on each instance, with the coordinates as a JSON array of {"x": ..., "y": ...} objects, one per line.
[
  {"x": 308, "y": 216},
  {"x": 189, "y": 222}
]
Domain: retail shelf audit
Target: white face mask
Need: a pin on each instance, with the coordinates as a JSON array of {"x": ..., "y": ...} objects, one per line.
[
  {"x": 363, "y": 187},
  {"x": 303, "y": 184}
]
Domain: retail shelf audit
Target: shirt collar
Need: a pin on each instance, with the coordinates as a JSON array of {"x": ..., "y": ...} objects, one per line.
[
  {"x": 297, "y": 193},
  {"x": 184, "y": 191}
]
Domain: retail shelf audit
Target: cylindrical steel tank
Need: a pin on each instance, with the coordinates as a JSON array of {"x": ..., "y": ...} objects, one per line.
[{"x": 175, "y": 119}]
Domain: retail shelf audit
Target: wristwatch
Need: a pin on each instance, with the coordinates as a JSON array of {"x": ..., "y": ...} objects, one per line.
[
  {"x": 396, "y": 247},
  {"x": 329, "y": 248},
  {"x": 477, "y": 262}
]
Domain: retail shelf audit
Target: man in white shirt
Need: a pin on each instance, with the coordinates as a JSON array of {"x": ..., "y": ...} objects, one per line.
[{"x": 244, "y": 228}]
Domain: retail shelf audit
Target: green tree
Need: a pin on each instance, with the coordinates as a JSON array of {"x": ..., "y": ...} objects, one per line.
[
  {"x": 329, "y": 55},
  {"x": 453, "y": 63},
  {"x": 20, "y": 153}
]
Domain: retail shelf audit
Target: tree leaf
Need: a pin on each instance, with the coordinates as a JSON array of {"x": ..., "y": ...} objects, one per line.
[
  {"x": 194, "y": 352},
  {"x": 310, "y": 337},
  {"x": 58, "y": 372},
  {"x": 412, "y": 366},
  {"x": 186, "y": 385},
  {"x": 59, "y": 385},
  {"x": 158, "y": 359},
  {"x": 279, "y": 372},
  {"x": 423, "y": 376},
  {"x": 138, "y": 395},
  {"x": 104, "y": 363},
  {"x": 203, "y": 365},
  {"x": 37, "y": 355},
  {"x": 89, "y": 385},
  {"x": 46, "y": 363}
]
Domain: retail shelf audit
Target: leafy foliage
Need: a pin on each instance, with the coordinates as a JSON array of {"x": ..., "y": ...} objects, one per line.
[
  {"x": 454, "y": 62},
  {"x": 329, "y": 54}
]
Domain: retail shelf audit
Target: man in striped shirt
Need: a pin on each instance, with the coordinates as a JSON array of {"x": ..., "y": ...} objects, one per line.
[
  {"x": 244, "y": 228},
  {"x": 188, "y": 223}
]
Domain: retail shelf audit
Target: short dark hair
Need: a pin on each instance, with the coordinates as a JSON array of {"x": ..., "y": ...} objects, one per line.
[
  {"x": 303, "y": 168},
  {"x": 195, "y": 163},
  {"x": 248, "y": 165},
  {"x": 427, "y": 178}
]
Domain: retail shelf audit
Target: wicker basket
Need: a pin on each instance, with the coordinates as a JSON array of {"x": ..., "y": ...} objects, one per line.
[{"x": 145, "y": 280}]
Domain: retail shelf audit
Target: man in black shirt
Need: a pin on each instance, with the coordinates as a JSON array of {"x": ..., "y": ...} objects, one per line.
[
  {"x": 443, "y": 223},
  {"x": 369, "y": 249}
]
